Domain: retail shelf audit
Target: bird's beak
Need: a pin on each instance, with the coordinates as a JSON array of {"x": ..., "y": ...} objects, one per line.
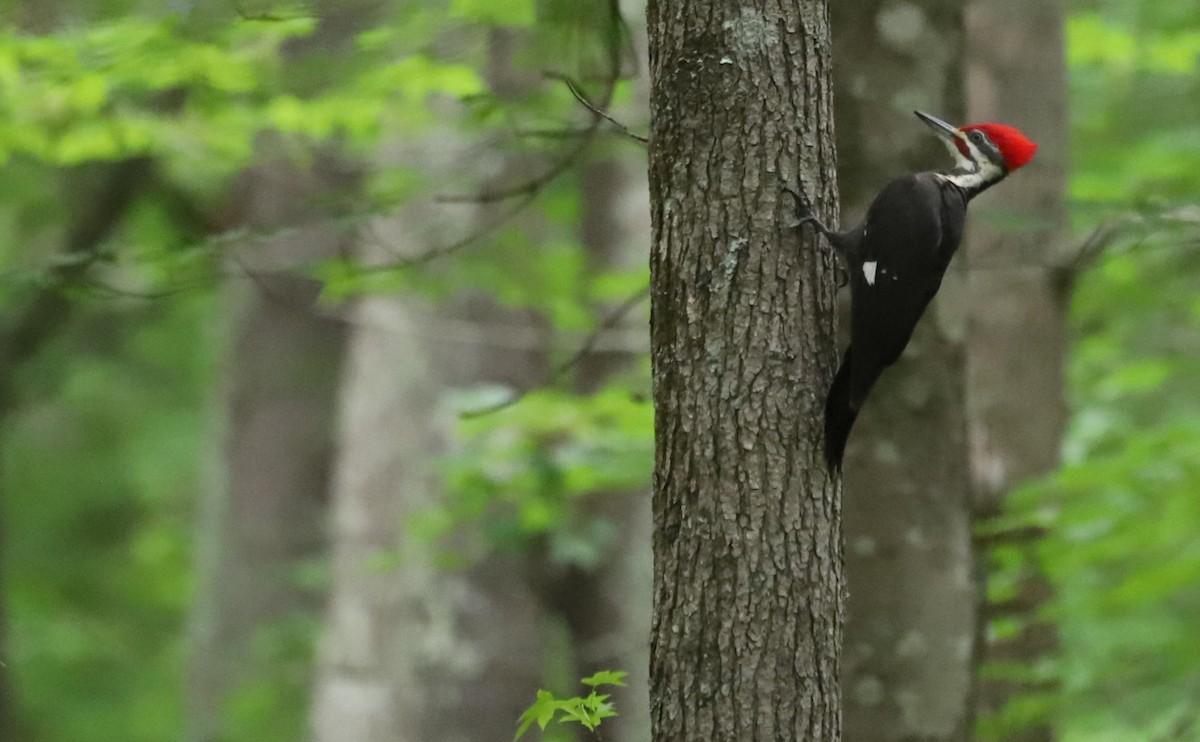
[{"x": 943, "y": 130}]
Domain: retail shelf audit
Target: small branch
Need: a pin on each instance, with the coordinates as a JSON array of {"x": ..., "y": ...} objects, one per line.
[
  {"x": 1008, "y": 536},
  {"x": 110, "y": 290},
  {"x": 1037, "y": 638},
  {"x": 442, "y": 251},
  {"x": 585, "y": 349},
  {"x": 1023, "y": 687},
  {"x": 264, "y": 17},
  {"x": 48, "y": 310},
  {"x": 579, "y": 96},
  {"x": 1079, "y": 258},
  {"x": 549, "y": 133},
  {"x": 1030, "y": 595},
  {"x": 532, "y": 187}
]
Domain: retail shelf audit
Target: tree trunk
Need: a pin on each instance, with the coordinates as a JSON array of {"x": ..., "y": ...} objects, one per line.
[
  {"x": 911, "y": 611},
  {"x": 408, "y": 648},
  {"x": 267, "y": 516},
  {"x": 748, "y": 579},
  {"x": 1019, "y": 295}
]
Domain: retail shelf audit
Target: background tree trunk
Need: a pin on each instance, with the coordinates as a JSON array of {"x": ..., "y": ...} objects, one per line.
[
  {"x": 912, "y": 601},
  {"x": 747, "y": 544},
  {"x": 409, "y": 645},
  {"x": 267, "y": 516},
  {"x": 1019, "y": 293}
]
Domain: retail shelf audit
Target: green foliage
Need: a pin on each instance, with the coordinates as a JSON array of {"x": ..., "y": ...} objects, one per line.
[
  {"x": 1121, "y": 548},
  {"x": 108, "y": 431},
  {"x": 145, "y": 85},
  {"x": 268, "y": 704},
  {"x": 99, "y": 475},
  {"x": 1123, "y": 68},
  {"x": 527, "y": 475},
  {"x": 95, "y": 93},
  {"x": 587, "y": 711},
  {"x": 1120, "y": 515}
]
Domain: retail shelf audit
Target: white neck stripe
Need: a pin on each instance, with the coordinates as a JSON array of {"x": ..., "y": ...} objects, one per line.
[
  {"x": 973, "y": 172},
  {"x": 980, "y": 176}
]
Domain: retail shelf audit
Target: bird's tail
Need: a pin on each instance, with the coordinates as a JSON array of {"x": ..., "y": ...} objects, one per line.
[{"x": 840, "y": 413}]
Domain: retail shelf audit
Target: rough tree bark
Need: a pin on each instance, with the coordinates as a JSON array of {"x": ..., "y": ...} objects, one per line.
[
  {"x": 747, "y": 546},
  {"x": 1016, "y": 349},
  {"x": 911, "y": 610}
]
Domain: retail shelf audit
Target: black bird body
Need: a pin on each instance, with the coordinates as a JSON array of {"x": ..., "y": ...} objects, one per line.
[{"x": 896, "y": 259}]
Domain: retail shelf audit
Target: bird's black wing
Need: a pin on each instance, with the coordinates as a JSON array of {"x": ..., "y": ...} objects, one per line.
[{"x": 900, "y": 264}]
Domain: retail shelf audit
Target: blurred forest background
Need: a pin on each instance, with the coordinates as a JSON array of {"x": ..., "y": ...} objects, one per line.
[{"x": 324, "y": 378}]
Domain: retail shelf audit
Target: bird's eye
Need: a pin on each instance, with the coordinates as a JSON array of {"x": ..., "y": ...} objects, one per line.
[{"x": 977, "y": 136}]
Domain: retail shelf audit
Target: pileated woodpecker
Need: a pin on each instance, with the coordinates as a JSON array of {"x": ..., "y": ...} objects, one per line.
[{"x": 897, "y": 256}]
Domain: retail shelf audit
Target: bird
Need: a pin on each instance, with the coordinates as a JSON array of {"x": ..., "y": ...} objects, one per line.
[{"x": 896, "y": 257}]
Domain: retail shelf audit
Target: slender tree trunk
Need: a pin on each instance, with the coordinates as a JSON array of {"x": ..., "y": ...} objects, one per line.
[
  {"x": 911, "y": 611},
  {"x": 408, "y": 648},
  {"x": 1019, "y": 295},
  {"x": 267, "y": 514},
  {"x": 266, "y": 517},
  {"x": 748, "y": 579},
  {"x": 413, "y": 653}
]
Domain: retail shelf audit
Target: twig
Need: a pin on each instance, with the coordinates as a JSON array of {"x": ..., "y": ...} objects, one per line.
[
  {"x": 534, "y": 186},
  {"x": 564, "y": 133},
  {"x": 266, "y": 16},
  {"x": 49, "y": 309},
  {"x": 579, "y": 96},
  {"x": 1008, "y": 536},
  {"x": 530, "y": 187},
  {"x": 442, "y": 251},
  {"x": 1075, "y": 260},
  {"x": 585, "y": 349},
  {"x": 109, "y": 289}
]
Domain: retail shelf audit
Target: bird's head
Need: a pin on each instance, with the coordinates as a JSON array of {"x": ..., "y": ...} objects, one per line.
[{"x": 990, "y": 150}]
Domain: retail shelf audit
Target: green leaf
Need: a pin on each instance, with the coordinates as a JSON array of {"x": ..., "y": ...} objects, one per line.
[
  {"x": 542, "y": 712},
  {"x": 606, "y": 677},
  {"x": 573, "y": 710}
]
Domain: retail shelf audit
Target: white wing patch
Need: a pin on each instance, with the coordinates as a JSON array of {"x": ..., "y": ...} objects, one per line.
[{"x": 869, "y": 271}]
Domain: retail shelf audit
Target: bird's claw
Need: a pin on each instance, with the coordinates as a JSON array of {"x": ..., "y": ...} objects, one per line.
[{"x": 803, "y": 209}]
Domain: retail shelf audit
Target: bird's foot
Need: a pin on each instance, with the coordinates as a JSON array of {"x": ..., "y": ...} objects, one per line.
[
  {"x": 841, "y": 273},
  {"x": 803, "y": 211}
]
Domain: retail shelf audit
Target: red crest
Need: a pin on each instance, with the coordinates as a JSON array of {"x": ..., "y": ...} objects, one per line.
[{"x": 1013, "y": 145}]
